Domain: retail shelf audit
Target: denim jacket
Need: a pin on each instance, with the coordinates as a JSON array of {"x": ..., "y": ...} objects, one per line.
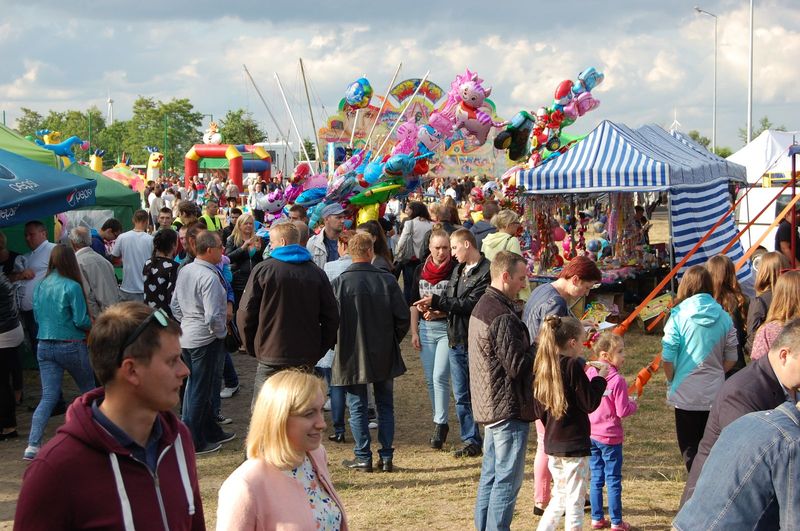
[{"x": 750, "y": 480}]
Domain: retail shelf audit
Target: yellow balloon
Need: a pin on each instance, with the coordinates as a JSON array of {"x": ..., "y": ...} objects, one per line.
[{"x": 368, "y": 213}]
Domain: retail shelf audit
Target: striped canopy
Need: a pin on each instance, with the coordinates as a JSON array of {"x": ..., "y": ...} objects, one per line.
[{"x": 616, "y": 158}]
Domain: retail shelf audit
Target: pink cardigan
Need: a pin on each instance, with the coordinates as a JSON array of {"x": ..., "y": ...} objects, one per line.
[
  {"x": 606, "y": 420},
  {"x": 765, "y": 335},
  {"x": 258, "y": 496}
]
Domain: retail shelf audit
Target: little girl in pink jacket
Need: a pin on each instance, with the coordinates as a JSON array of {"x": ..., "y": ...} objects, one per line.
[{"x": 607, "y": 435}]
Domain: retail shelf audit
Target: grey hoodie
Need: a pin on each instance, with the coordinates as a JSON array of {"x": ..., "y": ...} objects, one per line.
[{"x": 481, "y": 230}]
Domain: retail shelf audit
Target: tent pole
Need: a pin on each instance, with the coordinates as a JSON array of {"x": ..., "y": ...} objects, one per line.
[{"x": 670, "y": 246}]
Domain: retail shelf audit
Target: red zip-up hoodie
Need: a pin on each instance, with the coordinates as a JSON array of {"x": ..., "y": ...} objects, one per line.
[{"x": 84, "y": 479}]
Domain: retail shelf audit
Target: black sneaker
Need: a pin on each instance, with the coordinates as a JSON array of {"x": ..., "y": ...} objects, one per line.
[
  {"x": 468, "y": 450},
  {"x": 358, "y": 464},
  {"x": 226, "y": 437},
  {"x": 209, "y": 448},
  {"x": 222, "y": 420}
]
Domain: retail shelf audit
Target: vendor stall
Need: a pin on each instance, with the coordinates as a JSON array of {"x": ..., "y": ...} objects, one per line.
[{"x": 618, "y": 160}]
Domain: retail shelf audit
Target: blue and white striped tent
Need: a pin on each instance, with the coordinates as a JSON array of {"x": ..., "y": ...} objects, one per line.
[{"x": 616, "y": 158}]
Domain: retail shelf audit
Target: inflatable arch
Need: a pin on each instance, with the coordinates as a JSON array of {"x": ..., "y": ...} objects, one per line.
[{"x": 261, "y": 164}]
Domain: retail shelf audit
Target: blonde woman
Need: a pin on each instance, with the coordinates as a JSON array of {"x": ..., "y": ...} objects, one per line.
[
  {"x": 507, "y": 223},
  {"x": 285, "y": 483},
  {"x": 768, "y": 272},
  {"x": 785, "y": 306},
  {"x": 244, "y": 249}
]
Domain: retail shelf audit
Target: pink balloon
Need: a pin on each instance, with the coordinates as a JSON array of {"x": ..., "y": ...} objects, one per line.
[
  {"x": 565, "y": 245},
  {"x": 559, "y": 234}
]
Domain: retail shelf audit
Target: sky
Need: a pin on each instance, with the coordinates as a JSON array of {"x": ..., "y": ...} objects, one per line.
[{"x": 657, "y": 57}]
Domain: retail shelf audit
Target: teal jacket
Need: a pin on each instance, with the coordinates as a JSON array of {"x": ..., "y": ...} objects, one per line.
[
  {"x": 698, "y": 337},
  {"x": 59, "y": 307}
]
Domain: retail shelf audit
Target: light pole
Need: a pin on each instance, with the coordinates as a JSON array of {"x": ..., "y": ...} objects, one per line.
[
  {"x": 750, "y": 82},
  {"x": 714, "y": 110}
]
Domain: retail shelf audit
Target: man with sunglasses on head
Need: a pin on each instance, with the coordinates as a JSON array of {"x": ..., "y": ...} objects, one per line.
[
  {"x": 200, "y": 304},
  {"x": 132, "y": 457}
]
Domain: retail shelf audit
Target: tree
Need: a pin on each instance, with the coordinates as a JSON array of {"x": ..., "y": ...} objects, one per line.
[
  {"x": 311, "y": 149},
  {"x": 724, "y": 152},
  {"x": 29, "y": 122},
  {"x": 239, "y": 127},
  {"x": 763, "y": 125},
  {"x": 172, "y": 126},
  {"x": 700, "y": 139}
]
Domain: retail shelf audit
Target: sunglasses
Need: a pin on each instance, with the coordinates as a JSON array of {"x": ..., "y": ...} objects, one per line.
[{"x": 159, "y": 316}]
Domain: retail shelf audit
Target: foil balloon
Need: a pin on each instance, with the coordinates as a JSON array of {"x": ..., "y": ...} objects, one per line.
[
  {"x": 311, "y": 197},
  {"x": 368, "y": 213},
  {"x": 359, "y": 93}
]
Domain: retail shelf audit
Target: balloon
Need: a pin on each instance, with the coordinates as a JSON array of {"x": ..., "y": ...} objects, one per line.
[
  {"x": 368, "y": 213},
  {"x": 472, "y": 113},
  {"x": 563, "y": 94},
  {"x": 536, "y": 246},
  {"x": 558, "y": 234},
  {"x": 359, "y": 93},
  {"x": 311, "y": 197},
  {"x": 588, "y": 80},
  {"x": 566, "y": 245}
]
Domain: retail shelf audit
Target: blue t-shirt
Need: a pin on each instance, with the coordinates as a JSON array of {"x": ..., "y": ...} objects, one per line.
[
  {"x": 544, "y": 300},
  {"x": 147, "y": 455},
  {"x": 332, "y": 246}
]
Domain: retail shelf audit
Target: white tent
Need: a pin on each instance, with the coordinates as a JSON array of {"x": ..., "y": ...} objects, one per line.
[{"x": 767, "y": 153}]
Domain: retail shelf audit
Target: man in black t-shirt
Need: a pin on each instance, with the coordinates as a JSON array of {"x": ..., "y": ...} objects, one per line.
[{"x": 783, "y": 240}]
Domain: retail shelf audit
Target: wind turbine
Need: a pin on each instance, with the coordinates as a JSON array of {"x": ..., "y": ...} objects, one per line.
[
  {"x": 676, "y": 125},
  {"x": 110, "y": 110}
]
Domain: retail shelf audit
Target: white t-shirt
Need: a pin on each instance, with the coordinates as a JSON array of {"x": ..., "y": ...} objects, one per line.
[
  {"x": 451, "y": 192},
  {"x": 134, "y": 248}
]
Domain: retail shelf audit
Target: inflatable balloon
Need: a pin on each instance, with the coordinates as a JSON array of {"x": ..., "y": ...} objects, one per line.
[
  {"x": 472, "y": 114},
  {"x": 274, "y": 203},
  {"x": 359, "y": 93},
  {"x": 311, "y": 197},
  {"x": 406, "y": 139},
  {"x": 368, "y": 213},
  {"x": 96, "y": 160},
  {"x": 558, "y": 234},
  {"x": 587, "y": 80}
]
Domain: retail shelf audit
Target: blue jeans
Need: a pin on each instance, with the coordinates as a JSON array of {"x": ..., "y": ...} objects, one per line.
[
  {"x": 337, "y": 395},
  {"x": 606, "y": 466},
  {"x": 229, "y": 372},
  {"x": 459, "y": 375},
  {"x": 54, "y": 358},
  {"x": 359, "y": 423},
  {"x": 435, "y": 357},
  {"x": 501, "y": 474},
  {"x": 198, "y": 413}
]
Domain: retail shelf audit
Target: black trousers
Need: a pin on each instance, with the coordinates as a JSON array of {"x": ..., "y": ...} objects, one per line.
[
  {"x": 8, "y": 418},
  {"x": 689, "y": 426}
]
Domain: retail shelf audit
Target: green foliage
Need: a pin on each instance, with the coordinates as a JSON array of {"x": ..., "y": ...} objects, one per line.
[
  {"x": 239, "y": 127},
  {"x": 172, "y": 126},
  {"x": 700, "y": 139},
  {"x": 29, "y": 122},
  {"x": 763, "y": 125},
  {"x": 724, "y": 152},
  {"x": 311, "y": 149}
]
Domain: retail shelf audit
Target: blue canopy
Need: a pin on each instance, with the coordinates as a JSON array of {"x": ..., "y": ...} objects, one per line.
[
  {"x": 30, "y": 190},
  {"x": 616, "y": 158}
]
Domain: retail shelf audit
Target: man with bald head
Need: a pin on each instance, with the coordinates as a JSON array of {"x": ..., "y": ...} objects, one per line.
[{"x": 99, "y": 281}]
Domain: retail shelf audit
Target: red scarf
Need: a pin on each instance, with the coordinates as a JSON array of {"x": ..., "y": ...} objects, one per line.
[{"x": 434, "y": 274}]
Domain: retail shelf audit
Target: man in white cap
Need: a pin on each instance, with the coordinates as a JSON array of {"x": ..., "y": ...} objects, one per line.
[{"x": 324, "y": 245}]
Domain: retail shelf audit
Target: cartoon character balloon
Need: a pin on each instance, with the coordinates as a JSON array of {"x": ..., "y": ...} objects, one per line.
[{"x": 359, "y": 93}]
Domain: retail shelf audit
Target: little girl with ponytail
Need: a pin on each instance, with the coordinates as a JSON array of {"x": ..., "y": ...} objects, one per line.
[{"x": 564, "y": 397}]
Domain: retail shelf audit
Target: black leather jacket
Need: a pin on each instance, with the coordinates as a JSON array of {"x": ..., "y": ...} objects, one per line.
[
  {"x": 9, "y": 316},
  {"x": 463, "y": 293}
]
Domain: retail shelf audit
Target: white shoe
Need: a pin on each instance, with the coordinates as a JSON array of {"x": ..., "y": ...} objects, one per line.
[
  {"x": 327, "y": 406},
  {"x": 228, "y": 392},
  {"x": 373, "y": 425},
  {"x": 30, "y": 453}
]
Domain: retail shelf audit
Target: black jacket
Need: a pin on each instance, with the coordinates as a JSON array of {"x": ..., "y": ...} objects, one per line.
[
  {"x": 9, "y": 315},
  {"x": 754, "y": 388},
  {"x": 374, "y": 319},
  {"x": 569, "y": 435},
  {"x": 463, "y": 293},
  {"x": 288, "y": 315},
  {"x": 500, "y": 361},
  {"x": 242, "y": 264}
]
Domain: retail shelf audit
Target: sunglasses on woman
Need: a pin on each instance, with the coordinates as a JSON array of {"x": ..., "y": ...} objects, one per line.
[{"x": 158, "y": 315}]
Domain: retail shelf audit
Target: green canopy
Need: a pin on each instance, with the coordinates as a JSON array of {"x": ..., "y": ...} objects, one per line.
[
  {"x": 12, "y": 141},
  {"x": 111, "y": 195}
]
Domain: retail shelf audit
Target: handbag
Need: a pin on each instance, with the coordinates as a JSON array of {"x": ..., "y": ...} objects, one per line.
[
  {"x": 233, "y": 340},
  {"x": 404, "y": 254}
]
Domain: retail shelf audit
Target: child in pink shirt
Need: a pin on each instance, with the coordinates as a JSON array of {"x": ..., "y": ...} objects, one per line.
[{"x": 607, "y": 435}]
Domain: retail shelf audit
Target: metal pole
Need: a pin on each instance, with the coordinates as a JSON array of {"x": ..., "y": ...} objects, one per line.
[
  {"x": 166, "y": 143},
  {"x": 355, "y": 125},
  {"x": 272, "y": 116},
  {"x": 750, "y": 82},
  {"x": 400, "y": 116},
  {"x": 294, "y": 124},
  {"x": 669, "y": 244},
  {"x": 383, "y": 104},
  {"x": 714, "y": 115},
  {"x": 308, "y": 99},
  {"x": 794, "y": 215}
]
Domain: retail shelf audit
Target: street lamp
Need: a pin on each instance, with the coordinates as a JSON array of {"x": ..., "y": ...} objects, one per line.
[{"x": 714, "y": 111}]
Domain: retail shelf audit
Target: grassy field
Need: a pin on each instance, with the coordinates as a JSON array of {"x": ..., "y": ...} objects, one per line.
[{"x": 430, "y": 489}]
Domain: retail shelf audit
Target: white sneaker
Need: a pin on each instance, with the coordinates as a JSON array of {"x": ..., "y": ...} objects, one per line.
[
  {"x": 228, "y": 392},
  {"x": 327, "y": 406},
  {"x": 373, "y": 425},
  {"x": 222, "y": 419},
  {"x": 30, "y": 453}
]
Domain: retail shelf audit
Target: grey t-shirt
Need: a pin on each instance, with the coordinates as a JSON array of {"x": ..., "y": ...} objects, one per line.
[{"x": 544, "y": 300}]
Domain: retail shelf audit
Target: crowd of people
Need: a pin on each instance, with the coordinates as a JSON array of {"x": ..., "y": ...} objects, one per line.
[{"x": 324, "y": 310}]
